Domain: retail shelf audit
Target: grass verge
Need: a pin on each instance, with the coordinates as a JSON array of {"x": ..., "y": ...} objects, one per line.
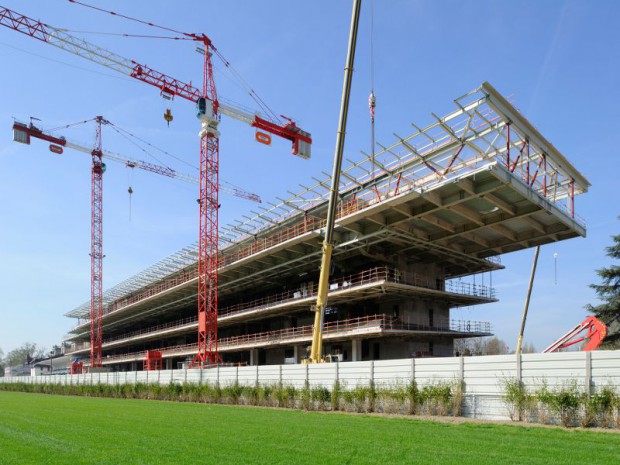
[{"x": 47, "y": 429}]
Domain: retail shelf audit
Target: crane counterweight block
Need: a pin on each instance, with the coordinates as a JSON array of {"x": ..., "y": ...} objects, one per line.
[
  {"x": 302, "y": 141},
  {"x": 23, "y": 132}
]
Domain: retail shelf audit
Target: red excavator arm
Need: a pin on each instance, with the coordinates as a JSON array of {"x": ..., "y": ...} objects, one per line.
[{"x": 594, "y": 338}]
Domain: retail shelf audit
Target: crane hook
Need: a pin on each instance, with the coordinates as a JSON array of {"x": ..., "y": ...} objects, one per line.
[{"x": 168, "y": 116}]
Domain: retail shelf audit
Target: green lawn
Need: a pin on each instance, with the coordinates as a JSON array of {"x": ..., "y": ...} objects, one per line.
[{"x": 47, "y": 429}]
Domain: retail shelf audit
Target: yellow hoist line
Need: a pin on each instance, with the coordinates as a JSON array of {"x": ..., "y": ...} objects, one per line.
[{"x": 316, "y": 354}]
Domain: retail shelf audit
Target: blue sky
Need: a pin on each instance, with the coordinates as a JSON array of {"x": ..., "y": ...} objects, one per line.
[{"x": 558, "y": 61}]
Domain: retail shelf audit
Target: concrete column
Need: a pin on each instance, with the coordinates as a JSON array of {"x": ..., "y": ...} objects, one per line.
[
  {"x": 169, "y": 364},
  {"x": 134, "y": 366},
  {"x": 296, "y": 353},
  {"x": 356, "y": 351},
  {"x": 253, "y": 356}
]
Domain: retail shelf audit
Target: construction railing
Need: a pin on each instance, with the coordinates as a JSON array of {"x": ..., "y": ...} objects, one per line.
[
  {"x": 373, "y": 275},
  {"x": 374, "y": 324}
]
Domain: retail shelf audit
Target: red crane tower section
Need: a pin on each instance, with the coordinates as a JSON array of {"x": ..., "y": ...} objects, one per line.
[
  {"x": 96, "y": 251},
  {"x": 209, "y": 109}
]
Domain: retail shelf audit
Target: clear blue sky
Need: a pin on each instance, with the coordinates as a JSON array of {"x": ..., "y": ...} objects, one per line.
[{"x": 557, "y": 60}]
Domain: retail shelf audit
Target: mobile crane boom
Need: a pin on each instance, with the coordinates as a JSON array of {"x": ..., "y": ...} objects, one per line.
[
  {"x": 316, "y": 351},
  {"x": 597, "y": 331}
]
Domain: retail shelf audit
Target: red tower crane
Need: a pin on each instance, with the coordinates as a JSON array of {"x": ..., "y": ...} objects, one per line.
[
  {"x": 23, "y": 133},
  {"x": 209, "y": 111}
]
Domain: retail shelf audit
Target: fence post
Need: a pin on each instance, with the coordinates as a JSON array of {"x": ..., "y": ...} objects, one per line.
[
  {"x": 372, "y": 372},
  {"x": 518, "y": 359},
  {"x": 218, "y": 375},
  {"x": 307, "y": 374},
  {"x": 280, "y": 375},
  {"x": 256, "y": 375},
  {"x": 237, "y": 376},
  {"x": 588, "y": 377},
  {"x": 337, "y": 371},
  {"x": 462, "y": 369},
  {"x": 201, "y": 372},
  {"x": 412, "y": 370},
  {"x": 185, "y": 376}
]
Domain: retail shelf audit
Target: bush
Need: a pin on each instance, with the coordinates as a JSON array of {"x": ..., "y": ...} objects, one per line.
[
  {"x": 320, "y": 396},
  {"x": 336, "y": 395},
  {"x": 515, "y": 398},
  {"x": 566, "y": 402},
  {"x": 436, "y": 398}
]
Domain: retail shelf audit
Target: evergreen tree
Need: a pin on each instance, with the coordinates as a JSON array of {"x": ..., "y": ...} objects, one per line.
[{"x": 609, "y": 294}]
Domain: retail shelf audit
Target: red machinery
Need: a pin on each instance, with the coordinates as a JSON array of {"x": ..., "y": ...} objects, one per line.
[
  {"x": 209, "y": 110},
  {"x": 153, "y": 360},
  {"x": 597, "y": 331},
  {"x": 76, "y": 368}
]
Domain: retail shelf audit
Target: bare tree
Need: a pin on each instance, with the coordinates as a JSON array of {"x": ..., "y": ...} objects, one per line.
[
  {"x": 480, "y": 346},
  {"x": 24, "y": 354},
  {"x": 529, "y": 348}
]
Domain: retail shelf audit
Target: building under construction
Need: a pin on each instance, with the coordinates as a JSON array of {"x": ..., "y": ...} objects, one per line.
[{"x": 414, "y": 219}]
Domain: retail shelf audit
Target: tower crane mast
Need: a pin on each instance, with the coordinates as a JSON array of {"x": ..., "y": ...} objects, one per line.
[{"x": 209, "y": 109}]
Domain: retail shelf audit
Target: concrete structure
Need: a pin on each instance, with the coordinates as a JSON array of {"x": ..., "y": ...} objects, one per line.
[{"x": 436, "y": 206}]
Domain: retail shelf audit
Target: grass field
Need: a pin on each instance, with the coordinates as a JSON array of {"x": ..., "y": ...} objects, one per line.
[{"x": 47, "y": 429}]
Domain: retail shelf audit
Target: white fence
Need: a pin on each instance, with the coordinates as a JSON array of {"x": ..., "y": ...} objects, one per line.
[{"x": 481, "y": 376}]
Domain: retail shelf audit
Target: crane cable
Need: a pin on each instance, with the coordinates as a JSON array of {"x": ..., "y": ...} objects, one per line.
[
  {"x": 188, "y": 36},
  {"x": 66, "y": 126},
  {"x": 372, "y": 100}
]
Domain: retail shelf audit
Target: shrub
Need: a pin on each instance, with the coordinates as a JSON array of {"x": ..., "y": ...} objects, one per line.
[
  {"x": 320, "y": 396},
  {"x": 305, "y": 397},
  {"x": 336, "y": 394},
  {"x": 436, "y": 398},
  {"x": 566, "y": 402},
  {"x": 515, "y": 397}
]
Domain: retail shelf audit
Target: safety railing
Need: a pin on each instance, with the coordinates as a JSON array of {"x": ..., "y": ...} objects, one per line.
[
  {"x": 373, "y": 323},
  {"x": 372, "y": 275}
]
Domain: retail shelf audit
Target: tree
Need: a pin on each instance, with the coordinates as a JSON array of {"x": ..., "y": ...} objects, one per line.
[
  {"x": 608, "y": 291},
  {"x": 1, "y": 362},
  {"x": 23, "y": 354},
  {"x": 529, "y": 348}
]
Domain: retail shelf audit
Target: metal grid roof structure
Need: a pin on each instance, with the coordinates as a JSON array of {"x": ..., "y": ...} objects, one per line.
[{"x": 484, "y": 130}]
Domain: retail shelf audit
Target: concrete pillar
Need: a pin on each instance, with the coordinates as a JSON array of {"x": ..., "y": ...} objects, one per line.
[
  {"x": 356, "y": 351},
  {"x": 253, "y": 356},
  {"x": 296, "y": 353},
  {"x": 134, "y": 366},
  {"x": 169, "y": 364}
]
